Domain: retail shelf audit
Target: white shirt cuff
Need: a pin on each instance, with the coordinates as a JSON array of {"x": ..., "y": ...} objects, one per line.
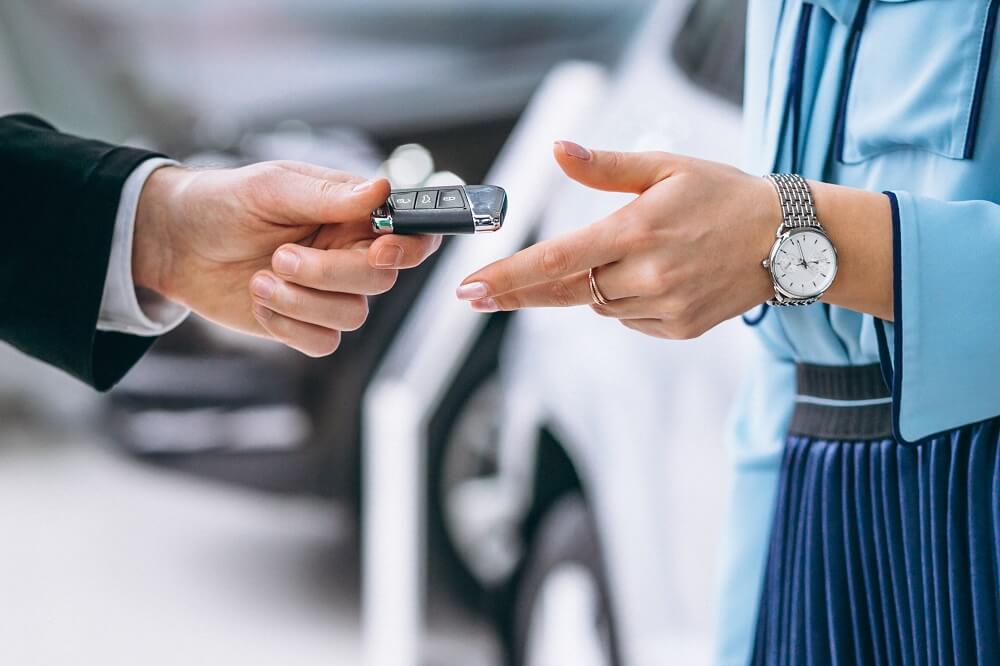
[{"x": 124, "y": 308}]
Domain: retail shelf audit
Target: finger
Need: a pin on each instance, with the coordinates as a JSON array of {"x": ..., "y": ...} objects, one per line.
[
  {"x": 565, "y": 292},
  {"x": 629, "y": 308},
  {"x": 317, "y": 171},
  {"x": 665, "y": 328},
  {"x": 636, "y": 275},
  {"x": 594, "y": 245},
  {"x": 344, "y": 312},
  {"x": 288, "y": 195},
  {"x": 394, "y": 251},
  {"x": 346, "y": 271},
  {"x": 309, "y": 339},
  {"x": 651, "y": 327},
  {"x": 616, "y": 282},
  {"x": 612, "y": 170}
]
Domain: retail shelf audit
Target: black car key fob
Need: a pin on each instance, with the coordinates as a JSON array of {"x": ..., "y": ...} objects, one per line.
[{"x": 455, "y": 209}]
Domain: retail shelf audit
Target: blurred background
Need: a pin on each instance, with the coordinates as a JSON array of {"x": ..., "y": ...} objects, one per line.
[{"x": 449, "y": 488}]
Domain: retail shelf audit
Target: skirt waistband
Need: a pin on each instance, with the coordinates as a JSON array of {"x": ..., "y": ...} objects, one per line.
[{"x": 841, "y": 402}]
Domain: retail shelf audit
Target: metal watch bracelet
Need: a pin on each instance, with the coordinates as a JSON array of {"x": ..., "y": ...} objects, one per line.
[{"x": 797, "y": 210}]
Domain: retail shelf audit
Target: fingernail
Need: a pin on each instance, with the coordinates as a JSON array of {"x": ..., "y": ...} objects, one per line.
[
  {"x": 389, "y": 256},
  {"x": 575, "y": 150},
  {"x": 263, "y": 287},
  {"x": 261, "y": 312},
  {"x": 361, "y": 187},
  {"x": 286, "y": 262},
  {"x": 485, "y": 305},
  {"x": 472, "y": 291}
]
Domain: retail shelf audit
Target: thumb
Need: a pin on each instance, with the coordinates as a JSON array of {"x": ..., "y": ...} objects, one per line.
[
  {"x": 307, "y": 199},
  {"x": 611, "y": 170}
]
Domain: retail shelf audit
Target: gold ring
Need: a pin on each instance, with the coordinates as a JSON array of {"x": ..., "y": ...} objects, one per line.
[{"x": 595, "y": 291}]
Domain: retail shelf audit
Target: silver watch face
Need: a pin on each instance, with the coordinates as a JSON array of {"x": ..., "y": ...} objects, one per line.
[{"x": 803, "y": 263}]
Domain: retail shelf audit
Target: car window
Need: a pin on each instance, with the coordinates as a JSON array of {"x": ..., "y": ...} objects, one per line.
[{"x": 710, "y": 46}]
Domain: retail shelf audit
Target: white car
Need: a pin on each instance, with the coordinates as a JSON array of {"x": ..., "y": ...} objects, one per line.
[{"x": 577, "y": 469}]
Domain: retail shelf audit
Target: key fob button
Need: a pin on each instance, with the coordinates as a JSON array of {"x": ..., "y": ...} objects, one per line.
[
  {"x": 450, "y": 199},
  {"x": 426, "y": 200},
  {"x": 403, "y": 200},
  {"x": 447, "y": 209}
]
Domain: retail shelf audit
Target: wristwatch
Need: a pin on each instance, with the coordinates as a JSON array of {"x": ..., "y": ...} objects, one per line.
[{"x": 803, "y": 261}]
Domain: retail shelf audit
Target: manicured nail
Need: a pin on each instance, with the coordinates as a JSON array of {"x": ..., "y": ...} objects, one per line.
[
  {"x": 485, "y": 305},
  {"x": 389, "y": 256},
  {"x": 261, "y": 312},
  {"x": 575, "y": 150},
  {"x": 263, "y": 287},
  {"x": 361, "y": 187},
  {"x": 286, "y": 262},
  {"x": 472, "y": 291}
]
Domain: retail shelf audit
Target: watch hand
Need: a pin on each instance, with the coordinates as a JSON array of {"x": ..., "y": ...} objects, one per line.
[{"x": 801, "y": 253}]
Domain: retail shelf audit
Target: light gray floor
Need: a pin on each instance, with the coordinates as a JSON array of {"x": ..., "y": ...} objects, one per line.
[{"x": 107, "y": 561}]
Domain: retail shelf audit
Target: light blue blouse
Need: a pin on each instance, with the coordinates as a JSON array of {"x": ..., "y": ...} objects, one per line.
[{"x": 884, "y": 95}]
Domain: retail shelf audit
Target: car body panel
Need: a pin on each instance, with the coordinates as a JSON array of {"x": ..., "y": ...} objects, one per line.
[
  {"x": 433, "y": 341},
  {"x": 642, "y": 419}
]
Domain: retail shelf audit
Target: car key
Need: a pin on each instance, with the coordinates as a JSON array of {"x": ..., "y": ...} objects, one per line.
[{"x": 455, "y": 209}]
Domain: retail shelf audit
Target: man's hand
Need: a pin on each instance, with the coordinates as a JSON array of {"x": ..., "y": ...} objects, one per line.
[{"x": 278, "y": 249}]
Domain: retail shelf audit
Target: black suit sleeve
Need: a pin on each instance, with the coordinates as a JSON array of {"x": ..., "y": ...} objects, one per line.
[{"x": 58, "y": 201}]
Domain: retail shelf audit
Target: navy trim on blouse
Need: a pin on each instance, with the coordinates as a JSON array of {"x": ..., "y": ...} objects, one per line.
[
  {"x": 884, "y": 358},
  {"x": 897, "y": 313},
  {"x": 794, "y": 102},
  {"x": 793, "y": 105},
  {"x": 895, "y": 371},
  {"x": 845, "y": 87},
  {"x": 753, "y": 321},
  {"x": 985, "y": 57}
]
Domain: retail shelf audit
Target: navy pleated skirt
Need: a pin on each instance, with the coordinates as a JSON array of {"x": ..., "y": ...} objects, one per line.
[{"x": 881, "y": 553}]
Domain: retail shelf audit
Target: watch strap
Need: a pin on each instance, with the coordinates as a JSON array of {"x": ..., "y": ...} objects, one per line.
[
  {"x": 780, "y": 300},
  {"x": 797, "y": 211},
  {"x": 797, "y": 207}
]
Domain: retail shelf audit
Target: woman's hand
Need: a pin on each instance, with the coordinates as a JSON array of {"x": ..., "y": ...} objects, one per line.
[
  {"x": 686, "y": 254},
  {"x": 681, "y": 258},
  {"x": 278, "y": 249}
]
